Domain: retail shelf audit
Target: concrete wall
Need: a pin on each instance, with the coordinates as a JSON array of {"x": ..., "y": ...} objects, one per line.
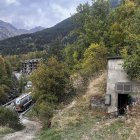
[{"x": 116, "y": 74}]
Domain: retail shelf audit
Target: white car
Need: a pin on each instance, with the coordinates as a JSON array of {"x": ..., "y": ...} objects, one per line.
[{"x": 29, "y": 84}]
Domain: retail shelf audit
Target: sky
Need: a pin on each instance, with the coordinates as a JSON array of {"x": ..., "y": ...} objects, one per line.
[{"x": 27, "y": 14}]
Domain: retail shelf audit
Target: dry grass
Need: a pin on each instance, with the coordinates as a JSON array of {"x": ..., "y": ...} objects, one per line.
[
  {"x": 79, "y": 108},
  {"x": 134, "y": 117},
  {"x": 77, "y": 122},
  {"x": 5, "y": 130}
]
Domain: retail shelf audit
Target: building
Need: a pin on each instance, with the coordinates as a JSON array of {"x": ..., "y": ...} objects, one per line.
[
  {"x": 120, "y": 89},
  {"x": 29, "y": 66}
]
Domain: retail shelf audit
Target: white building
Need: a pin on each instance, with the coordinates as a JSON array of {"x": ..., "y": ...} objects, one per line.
[
  {"x": 119, "y": 87},
  {"x": 29, "y": 66}
]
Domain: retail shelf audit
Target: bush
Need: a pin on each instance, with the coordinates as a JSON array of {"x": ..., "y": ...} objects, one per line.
[
  {"x": 132, "y": 64},
  {"x": 94, "y": 59},
  {"x": 9, "y": 118},
  {"x": 3, "y": 95},
  {"x": 51, "y": 86},
  {"x": 44, "y": 109},
  {"x": 52, "y": 79}
]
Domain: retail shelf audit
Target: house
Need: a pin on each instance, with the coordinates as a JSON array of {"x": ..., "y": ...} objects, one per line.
[
  {"x": 29, "y": 66},
  {"x": 120, "y": 90}
]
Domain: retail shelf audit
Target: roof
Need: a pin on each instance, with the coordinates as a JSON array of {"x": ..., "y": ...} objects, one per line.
[
  {"x": 114, "y": 57},
  {"x": 32, "y": 60}
]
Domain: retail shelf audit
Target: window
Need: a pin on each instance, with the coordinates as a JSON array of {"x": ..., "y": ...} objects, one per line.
[{"x": 123, "y": 87}]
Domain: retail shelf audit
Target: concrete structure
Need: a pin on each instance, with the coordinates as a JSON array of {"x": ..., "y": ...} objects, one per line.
[
  {"x": 119, "y": 86},
  {"x": 29, "y": 66},
  {"x": 17, "y": 75}
]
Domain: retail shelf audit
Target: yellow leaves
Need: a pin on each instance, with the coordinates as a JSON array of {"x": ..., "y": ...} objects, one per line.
[
  {"x": 91, "y": 50},
  {"x": 115, "y": 26},
  {"x": 75, "y": 56},
  {"x": 124, "y": 52},
  {"x": 94, "y": 59},
  {"x": 130, "y": 4}
]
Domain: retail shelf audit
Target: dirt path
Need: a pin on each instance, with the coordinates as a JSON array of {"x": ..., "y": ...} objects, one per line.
[{"x": 29, "y": 133}]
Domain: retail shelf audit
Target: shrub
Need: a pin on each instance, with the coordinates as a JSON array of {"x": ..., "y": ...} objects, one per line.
[
  {"x": 9, "y": 118},
  {"x": 51, "y": 79},
  {"x": 132, "y": 64},
  {"x": 3, "y": 95},
  {"x": 44, "y": 108},
  {"x": 94, "y": 59},
  {"x": 51, "y": 86}
]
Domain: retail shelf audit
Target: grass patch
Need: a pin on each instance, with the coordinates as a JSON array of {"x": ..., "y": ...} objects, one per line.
[
  {"x": 5, "y": 130},
  {"x": 31, "y": 114},
  {"x": 117, "y": 130},
  {"x": 77, "y": 131},
  {"x": 50, "y": 134},
  {"x": 91, "y": 129}
]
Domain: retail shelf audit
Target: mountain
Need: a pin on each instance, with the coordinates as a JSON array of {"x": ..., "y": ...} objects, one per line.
[
  {"x": 33, "y": 30},
  {"x": 7, "y": 30},
  {"x": 40, "y": 40},
  {"x": 36, "y": 29},
  {"x": 57, "y": 35}
]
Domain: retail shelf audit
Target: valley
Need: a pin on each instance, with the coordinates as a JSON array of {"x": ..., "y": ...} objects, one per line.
[{"x": 81, "y": 76}]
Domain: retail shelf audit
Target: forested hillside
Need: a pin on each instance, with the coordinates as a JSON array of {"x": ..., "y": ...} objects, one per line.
[
  {"x": 40, "y": 40},
  {"x": 102, "y": 32},
  {"x": 59, "y": 34},
  {"x": 106, "y": 32},
  {"x": 6, "y": 81}
]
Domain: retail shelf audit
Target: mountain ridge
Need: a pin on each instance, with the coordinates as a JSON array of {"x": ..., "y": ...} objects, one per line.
[
  {"x": 7, "y": 30},
  {"x": 40, "y": 40}
]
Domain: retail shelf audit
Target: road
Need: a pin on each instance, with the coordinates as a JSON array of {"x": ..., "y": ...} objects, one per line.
[{"x": 29, "y": 132}]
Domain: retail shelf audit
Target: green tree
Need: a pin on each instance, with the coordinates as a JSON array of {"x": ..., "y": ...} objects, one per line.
[
  {"x": 124, "y": 29},
  {"x": 51, "y": 85},
  {"x": 51, "y": 78},
  {"x": 132, "y": 64},
  {"x": 3, "y": 95},
  {"x": 5, "y": 79},
  {"x": 9, "y": 118},
  {"x": 2, "y": 69},
  {"x": 93, "y": 25},
  {"x": 22, "y": 84},
  {"x": 94, "y": 59},
  {"x": 71, "y": 55},
  {"x": 44, "y": 109}
]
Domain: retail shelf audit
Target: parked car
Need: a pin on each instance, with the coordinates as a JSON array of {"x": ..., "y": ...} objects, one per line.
[{"x": 29, "y": 84}]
